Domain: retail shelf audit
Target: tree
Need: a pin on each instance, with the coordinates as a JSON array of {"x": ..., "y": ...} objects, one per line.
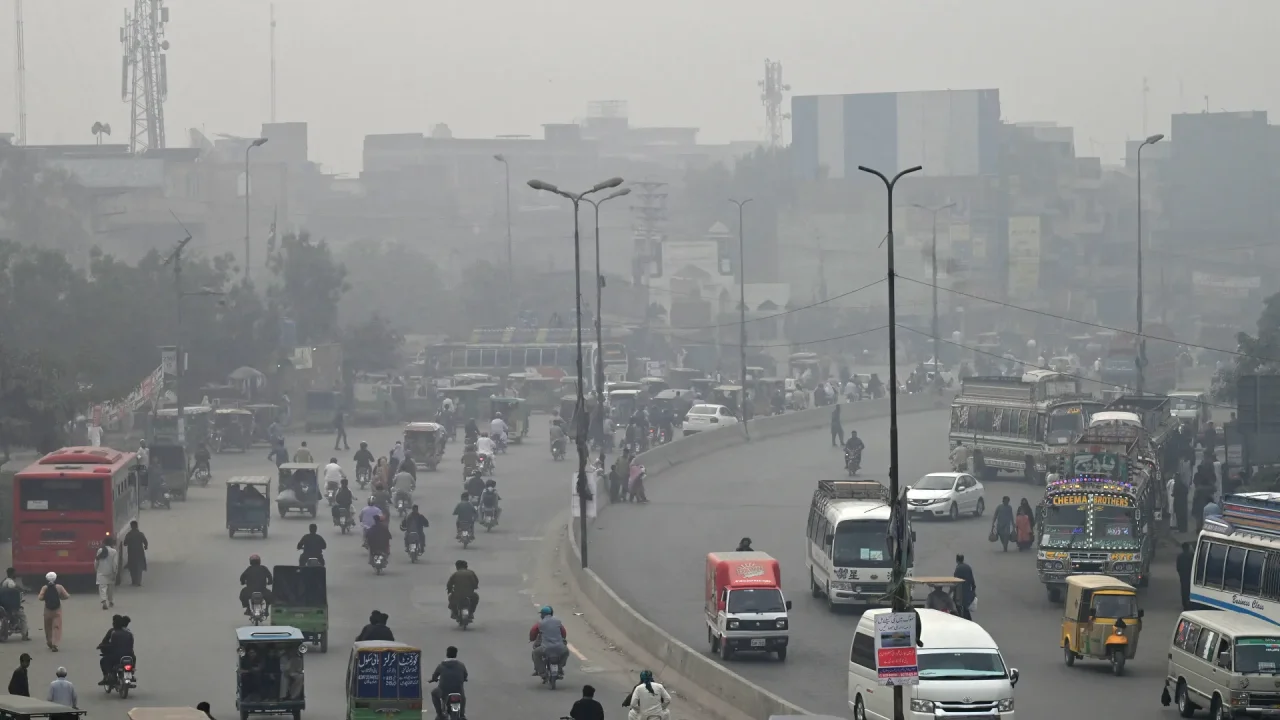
[
  {"x": 372, "y": 345},
  {"x": 42, "y": 205},
  {"x": 38, "y": 398},
  {"x": 1260, "y": 355},
  {"x": 308, "y": 284}
]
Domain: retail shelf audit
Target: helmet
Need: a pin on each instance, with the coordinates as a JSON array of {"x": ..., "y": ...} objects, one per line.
[
  {"x": 370, "y": 501},
  {"x": 545, "y": 611},
  {"x": 491, "y": 483}
]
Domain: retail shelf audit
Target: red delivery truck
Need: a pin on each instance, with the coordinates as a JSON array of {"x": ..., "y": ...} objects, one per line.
[{"x": 744, "y": 604}]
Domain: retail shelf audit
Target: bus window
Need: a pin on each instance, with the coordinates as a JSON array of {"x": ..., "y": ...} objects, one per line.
[
  {"x": 504, "y": 358},
  {"x": 473, "y": 358},
  {"x": 566, "y": 357},
  {"x": 1213, "y": 565},
  {"x": 1233, "y": 576},
  {"x": 458, "y": 358},
  {"x": 1253, "y": 565},
  {"x": 62, "y": 495}
]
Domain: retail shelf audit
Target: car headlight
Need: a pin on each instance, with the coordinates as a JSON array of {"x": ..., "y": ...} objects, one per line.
[
  {"x": 733, "y": 624},
  {"x": 1005, "y": 705},
  {"x": 1239, "y": 699},
  {"x": 939, "y": 501},
  {"x": 924, "y": 706},
  {"x": 782, "y": 623}
]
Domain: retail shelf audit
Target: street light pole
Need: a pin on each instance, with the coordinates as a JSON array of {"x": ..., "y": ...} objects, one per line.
[
  {"x": 742, "y": 313},
  {"x": 580, "y": 409},
  {"x": 937, "y": 359},
  {"x": 259, "y": 142},
  {"x": 597, "y": 421},
  {"x": 511, "y": 290},
  {"x": 901, "y": 598},
  {"x": 1141, "y": 360}
]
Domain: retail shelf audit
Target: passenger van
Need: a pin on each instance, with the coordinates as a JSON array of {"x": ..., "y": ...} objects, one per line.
[
  {"x": 961, "y": 672},
  {"x": 1219, "y": 658}
]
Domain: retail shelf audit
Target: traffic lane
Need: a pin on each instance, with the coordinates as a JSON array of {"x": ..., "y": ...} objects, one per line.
[
  {"x": 187, "y": 609},
  {"x": 763, "y": 490}
]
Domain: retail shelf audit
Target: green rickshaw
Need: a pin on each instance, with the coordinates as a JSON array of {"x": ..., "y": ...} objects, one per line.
[
  {"x": 729, "y": 396},
  {"x": 568, "y": 404},
  {"x": 465, "y": 402},
  {"x": 321, "y": 407},
  {"x": 248, "y": 505},
  {"x": 516, "y": 414},
  {"x": 424, "y": 442},
  {"x": 196, "y": 421},
  {"x": 384, "y": 679},
  {"x": 270, "y": 679},
  {"x": 264, "y": 415},
  {"x": 174, "y": 467},
  {"x": 703, "y": 386},
  {"x": 682, "y": 378},
  {"x": 299, "y": 488},
  {"x": 540, "y": 393},
  {"x": 299, "y": 598},
  {"x": 232, "y": 428},
  {"x": 20, "y": 707}
]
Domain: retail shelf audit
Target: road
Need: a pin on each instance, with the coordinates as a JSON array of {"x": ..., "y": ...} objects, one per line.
[
  {"x": 185, "y": 615},
  {"x": 654, "y": 556}
]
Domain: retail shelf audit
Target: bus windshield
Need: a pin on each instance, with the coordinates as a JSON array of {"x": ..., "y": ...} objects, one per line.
[
  {"x": 1114, "y": 524},
  {"x": 1068, "y": 420},
  {"x": 1258, "y": 655},
  {"x": 62, "y": 494},
  {"x": 1065, "y": 522},
  {"x": 861, "y": 543}
]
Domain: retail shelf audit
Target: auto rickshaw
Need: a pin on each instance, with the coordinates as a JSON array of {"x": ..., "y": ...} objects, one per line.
[
  {"x": 174, "y": 467},
  {"x": 625, "y": 403},
  {"x": 269, "y": 675},
  {"x": 196, "y": 422},
  {"x": 515, "y": 413},
  {"x": 299, "y": 598},
  {"x": 654, "y": 385},
  {"x": 299, "y": 488},
  {"x": 19, "y": 707},
  {"x": 703, "y": 386},
  {"x": 384, "y": 679},
  {"x": 424, "y": 442},
  {"x": 677, "y": 401},
  {"x": 568, "y": 405},
  {"x": 680, "y": 378},
  {"x": 729, "y": 396},
  {"x": 1101, "y": 620},
  {"x": 232, "y": 428},
  {"x": 248, "y": 505},
  {"x": 321, "y": 407},
  {"x": 540, "y": 393},
  {"x": 263, "y": 416},
  {"x": 167, "y": 713},
  {"x": 941, "y": 595},
  {"x": 465, "y": 401}
]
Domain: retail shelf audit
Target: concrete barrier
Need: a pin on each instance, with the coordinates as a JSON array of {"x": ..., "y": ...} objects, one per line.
[{"x": 695, "y": 667}]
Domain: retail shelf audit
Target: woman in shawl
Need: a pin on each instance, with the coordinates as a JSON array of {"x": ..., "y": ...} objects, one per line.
[{"x": 1025, "y": 524}]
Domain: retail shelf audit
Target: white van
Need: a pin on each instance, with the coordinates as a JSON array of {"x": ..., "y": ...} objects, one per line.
[
  {"x": 961, "y": 672},
  {"x": 1220, "y": 658}
]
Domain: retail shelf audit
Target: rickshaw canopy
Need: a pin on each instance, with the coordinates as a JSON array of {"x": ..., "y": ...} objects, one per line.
[
  {"x": 167, "y": 713},
  {"x": 268, "y": 634},
  {"x": 19, "y": 707}
]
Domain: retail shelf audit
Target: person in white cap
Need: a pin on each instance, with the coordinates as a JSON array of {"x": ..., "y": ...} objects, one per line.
[
  {"x": 61, "y": 690},
  {"x": 52, "y": 594}
]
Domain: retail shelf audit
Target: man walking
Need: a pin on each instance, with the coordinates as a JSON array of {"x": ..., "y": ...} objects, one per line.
[
  {"x": 967, "y": 591},
  {"x": 340, "y": 429},
  {"x": 135, "y": 546},
  {"x": 104, "y": 567},
  {"x": 1184, "y": 562},
  {"x": 61, "y": 691},
  {"x": 837, "y": 430},
  {"x": 19, "y": 684}
]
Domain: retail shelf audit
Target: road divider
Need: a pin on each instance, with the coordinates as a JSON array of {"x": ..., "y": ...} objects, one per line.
[{"x": 694, "y": 667}]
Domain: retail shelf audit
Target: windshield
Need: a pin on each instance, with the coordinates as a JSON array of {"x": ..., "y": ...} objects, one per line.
[
  {"x": 1113, "y": 523},
  {"x": 935, "y": 482},
  {"x": 1119, "y": 364},
  {"x": 1184, "y": 404},
  {"x": 1115, "y": 606},
  {"x": 1066, "y": 521},
  {"x": 62, "y": 494},
  {"x": 861, "y": 543},
  {"x": 1257, "y": 655},
  {"x": 753, "y": 600},
  {"x": 959, "y": 665},
  {"x": 1066, "y": 421},
  {"x": 703, "y": 410}
]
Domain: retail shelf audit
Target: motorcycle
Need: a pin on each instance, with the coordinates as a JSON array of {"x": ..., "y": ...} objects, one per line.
[
  {"x": 11, "y": 625},
  {"x": 550, "y": 671},
  {"x": 312, "y": 561},
  {"x": 402, "y": 505},
  {"x": 379, "y": 563},
  {"x": 330, "y": 492},
  {"x": 466, "y": 535},
  {"x": 414, "y": 546},
  {"x": 488, "y": 518},
  {"x": 852, "y": 462},
  {"x": 453, "y": 706},
  {"x": 257, "y": 609},
  {"x": 500, "y": 445},
  {"x": 486, "y": 465},
  {"x": 557, "y": 450},
  {"x": 344, "y": 521},
  {"x": 363, "y": 474},
  {"x": 160, "y": 499},
  {"x": 464, "y": 617},
  {"x": 201, "y": 476},
  {"x": 122, "y": 679}
]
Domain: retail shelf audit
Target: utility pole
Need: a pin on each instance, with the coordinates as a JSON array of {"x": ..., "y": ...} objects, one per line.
[
  {"x": 506, "y": 164},
  {"x": 901, "y": 596},
  {"x": 21, "y": 85},
  {"x": 742, "y": 312},
  {"x": 175, "y": 259},
  {"x": 1141, "y": 359},
  {"x": 257, "y": 142},
  {"x": 273, "y": 62},
  {"x": 937, "y": 359},
  {"x": 597, "y": 420}
]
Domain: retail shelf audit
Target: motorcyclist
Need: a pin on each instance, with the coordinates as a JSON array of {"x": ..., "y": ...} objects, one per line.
[
  {"x": 116, "y": 644},
  {"x": 303, "y": 454},
  {"x": 402, "y": 487},
  {"x": 490, "y": 498},
  {"x": 202, "y": 459},
  {"x": 255, "y": 579},
  {"x": 558, "y": 436},
  {"x": 470, "y": 460},
  {"x": 414, "y": 522},
  {"x": 452, "y": 675},
  {"x": 379, "y": 539},
  {"x": 666, "y": 424},
  {"x": 853, "y": 446},
  {"x": 410, "y": 467},
  {"x": 548, "y": 636},
  {"x": 382, "y": 499},
  {"x": 498, "y": 429},
  {"x": 485, "y": 446},
  {"x": 341, "y": 499},
  {"x": 465, "y": 513},
  {"x": 11, "y": 599},
  {"x": 364, "y": 460},
  {"x": 395, "y": 457},
  {"x": 312, "y": 545},
  {"x": 471, "y": 431},
  {"x": 648, "y": 700},
  {"x": 461, "y": 587},
  {"x": 474, "y": 486},
  {"x": 369, "y": 515},
  {"x": 333, "y": 475},
  {"x": 376, "y": 629}
]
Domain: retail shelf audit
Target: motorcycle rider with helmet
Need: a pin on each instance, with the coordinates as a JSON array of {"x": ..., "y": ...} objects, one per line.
[
  {"x": 255, "y": 579},
  {"x": 549, "y": 636},
  {"x": 341, "y": 500},
  {"x": 490, "y": 498}
]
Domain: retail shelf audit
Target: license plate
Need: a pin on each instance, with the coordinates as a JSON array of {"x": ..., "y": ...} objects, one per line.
[
  {"x": 64, "y": 553},
  {"x": 758, "y": 642}
]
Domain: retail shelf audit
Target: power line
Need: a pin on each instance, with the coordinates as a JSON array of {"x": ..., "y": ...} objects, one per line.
[{"x": 785, "y": 312}]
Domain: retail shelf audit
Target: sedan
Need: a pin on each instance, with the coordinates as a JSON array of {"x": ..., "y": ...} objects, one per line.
[
  {"x": 707, "y": 417},
  {"x": 949, "y": 494}
]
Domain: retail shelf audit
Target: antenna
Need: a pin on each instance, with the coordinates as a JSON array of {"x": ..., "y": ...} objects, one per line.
[
  {"x": 21, "y": 73},
  {"x": 1146, "y": 91},
  {"x": 273, "y": 62},
  {"x": 772, "y": 89},
  {"x": 144, "y": 81}
]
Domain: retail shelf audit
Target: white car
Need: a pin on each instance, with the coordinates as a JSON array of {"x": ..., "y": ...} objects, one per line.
[
  {"x": 949, "y": 494},
  {"x": 707, "y": 417}
]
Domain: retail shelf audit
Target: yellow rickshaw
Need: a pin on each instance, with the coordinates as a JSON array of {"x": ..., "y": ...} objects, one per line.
[
  {"x": 1101, "y": 620},
  {"x": 425, "y": 443},
  {"x": 515, "y": 413}
]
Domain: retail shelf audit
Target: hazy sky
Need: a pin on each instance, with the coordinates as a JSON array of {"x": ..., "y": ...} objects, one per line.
[{"x": 489, "y": 67}]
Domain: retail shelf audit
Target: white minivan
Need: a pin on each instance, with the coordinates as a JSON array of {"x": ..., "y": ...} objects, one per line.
[{"x": 961, "y": 672}]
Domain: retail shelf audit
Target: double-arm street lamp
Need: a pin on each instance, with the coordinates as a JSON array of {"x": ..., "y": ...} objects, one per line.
[
  {"x": 257, "y": 142},
  {"x": 1142, "y": 342},
  {"x": 597, "y": 420},
  {"x": 580, "y": 410},
  {"x": 742, "y": 314},
  {"x": 937, "y": 359}
]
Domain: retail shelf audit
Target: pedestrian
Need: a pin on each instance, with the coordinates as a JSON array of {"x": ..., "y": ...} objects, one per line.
[
  {"x": 587, "y": 707},
  {"x": 52, "y": 595},
  {"x": 1002, "y": 523},
  {"x": 206, "y": 709},
  {"x": 966, "y": 591},
  {"x": 105, "y": 569},
  {"x": 135, "y": 545},
  {"x": 303, "y": 455},
  {"x": 1024, "y": 525},
  {"x": 1184, "y": 562},
  {"x": 95, "y": 435},
  {"x": 61, "y": 691},
  {"x": 1180, "y": 504},
  {"x": 340, "y": 429},
  {"x": 837, "y": 430},
  {"x": 18, "y": 683}
]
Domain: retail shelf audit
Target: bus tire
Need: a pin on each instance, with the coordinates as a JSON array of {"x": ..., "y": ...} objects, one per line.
[{"x": 979, "y": 464}]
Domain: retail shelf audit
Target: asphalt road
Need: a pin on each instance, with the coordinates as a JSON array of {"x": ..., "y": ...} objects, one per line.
[
  {"x": 185, "y": 615},
  {"x": 654, "y": 557}
]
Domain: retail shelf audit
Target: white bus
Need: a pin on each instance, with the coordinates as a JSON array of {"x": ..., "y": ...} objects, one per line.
[
  {"x": 847, "y": 554},
  {"x": 1237, "y": 562}
]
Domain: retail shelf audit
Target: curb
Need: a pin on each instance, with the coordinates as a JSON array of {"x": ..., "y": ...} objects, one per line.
[{"x": 694, "y": 667}]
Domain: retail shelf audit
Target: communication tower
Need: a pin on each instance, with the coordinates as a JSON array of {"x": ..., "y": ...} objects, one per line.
[
  {"x": 771, "y": 94},
  {"x": 21, "y": 82},
  {"x": 144, "y": 73}
]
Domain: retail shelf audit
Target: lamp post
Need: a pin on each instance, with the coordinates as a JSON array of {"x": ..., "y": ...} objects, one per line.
[
  {"x": 597, "y": 421},
  {"x": 257, "y": 142},
  {"x": 742, "y": 312},
  {"x": 175, "y": 259},
  {"x": 511, "y": 290},
  {"x": 580, "y": 409},
  {"x": 1141, "y": 360},
  {"x": 937, "y": 359},
  {"x": 897, "y": 523}
]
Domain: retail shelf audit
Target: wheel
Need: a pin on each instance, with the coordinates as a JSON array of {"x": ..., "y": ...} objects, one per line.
[
  {"x": 324, "y": 642},
  {"x": 859, "y": 711},
  {"x": 1055, "y": 593},
  {"x": 1186, "y": 708},
  {"x": 551, "y": 678},
  {"x": 814, "y": 590},
  {"x": 713, "y": 641},
  {"x": 1068, "y": 656},
  {"x": 726, "y": 653},
  {"x": 1144, "y": 580},
  {"x": 297, "y": 714},
  {"x": 1117, "y": 665},
  {"x": 954, "y": 513},
  {"x": 124, "y": 691},
  {"x": 312, "y": 510},
  {"x": 244, "y": 715},
  {"x": 282, "y": 510},
  {"x": 377, "y": 570},
  {"x": 1216, "y": 711},
  {"x": 231, "y": 532},
  {"x": 831, "y": 604},
  {"x": 981, "y": 508},
  {"x": 264, "y": 533},
  {"x": 782, "y": 654}
]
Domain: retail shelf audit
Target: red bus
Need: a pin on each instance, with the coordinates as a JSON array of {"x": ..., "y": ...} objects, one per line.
[{"x": 65, "y": 503}]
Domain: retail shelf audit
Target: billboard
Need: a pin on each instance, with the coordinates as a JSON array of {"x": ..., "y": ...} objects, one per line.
[
  {"x": 1223, "y": 287},
  {"x": 1024, "y": 256}
]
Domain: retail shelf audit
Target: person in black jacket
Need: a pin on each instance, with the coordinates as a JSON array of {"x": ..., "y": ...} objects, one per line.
[
  {"x": 18, "y": 684},
  {"x": 451, "y": 674},
  {"x": 118, "y": 643},
  {"x": 967, "y": 590},
  {"x": 587, "y": 707},
  {"x": 376, "y": 629}
]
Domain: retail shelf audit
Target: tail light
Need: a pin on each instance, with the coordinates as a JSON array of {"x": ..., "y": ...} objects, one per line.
[
  {"x": 128, "y": 668},
  {"x": 455, "y": 698}
]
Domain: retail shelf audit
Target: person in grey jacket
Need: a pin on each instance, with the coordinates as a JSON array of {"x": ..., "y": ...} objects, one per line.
[
  {"x": 451, "y": 676},
  {"x": 61, "y": 691}
]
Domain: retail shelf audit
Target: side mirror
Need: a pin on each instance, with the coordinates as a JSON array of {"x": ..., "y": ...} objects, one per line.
[
  {"x": 1093, "y": 613},
  {"x": 913, "y": 536},
  {"x": 1141, "y": 613},
  {"x": 788, "y": 605},
  {"x": 1013, "y": 677},
  {"x": 1224, "y": 659}
]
